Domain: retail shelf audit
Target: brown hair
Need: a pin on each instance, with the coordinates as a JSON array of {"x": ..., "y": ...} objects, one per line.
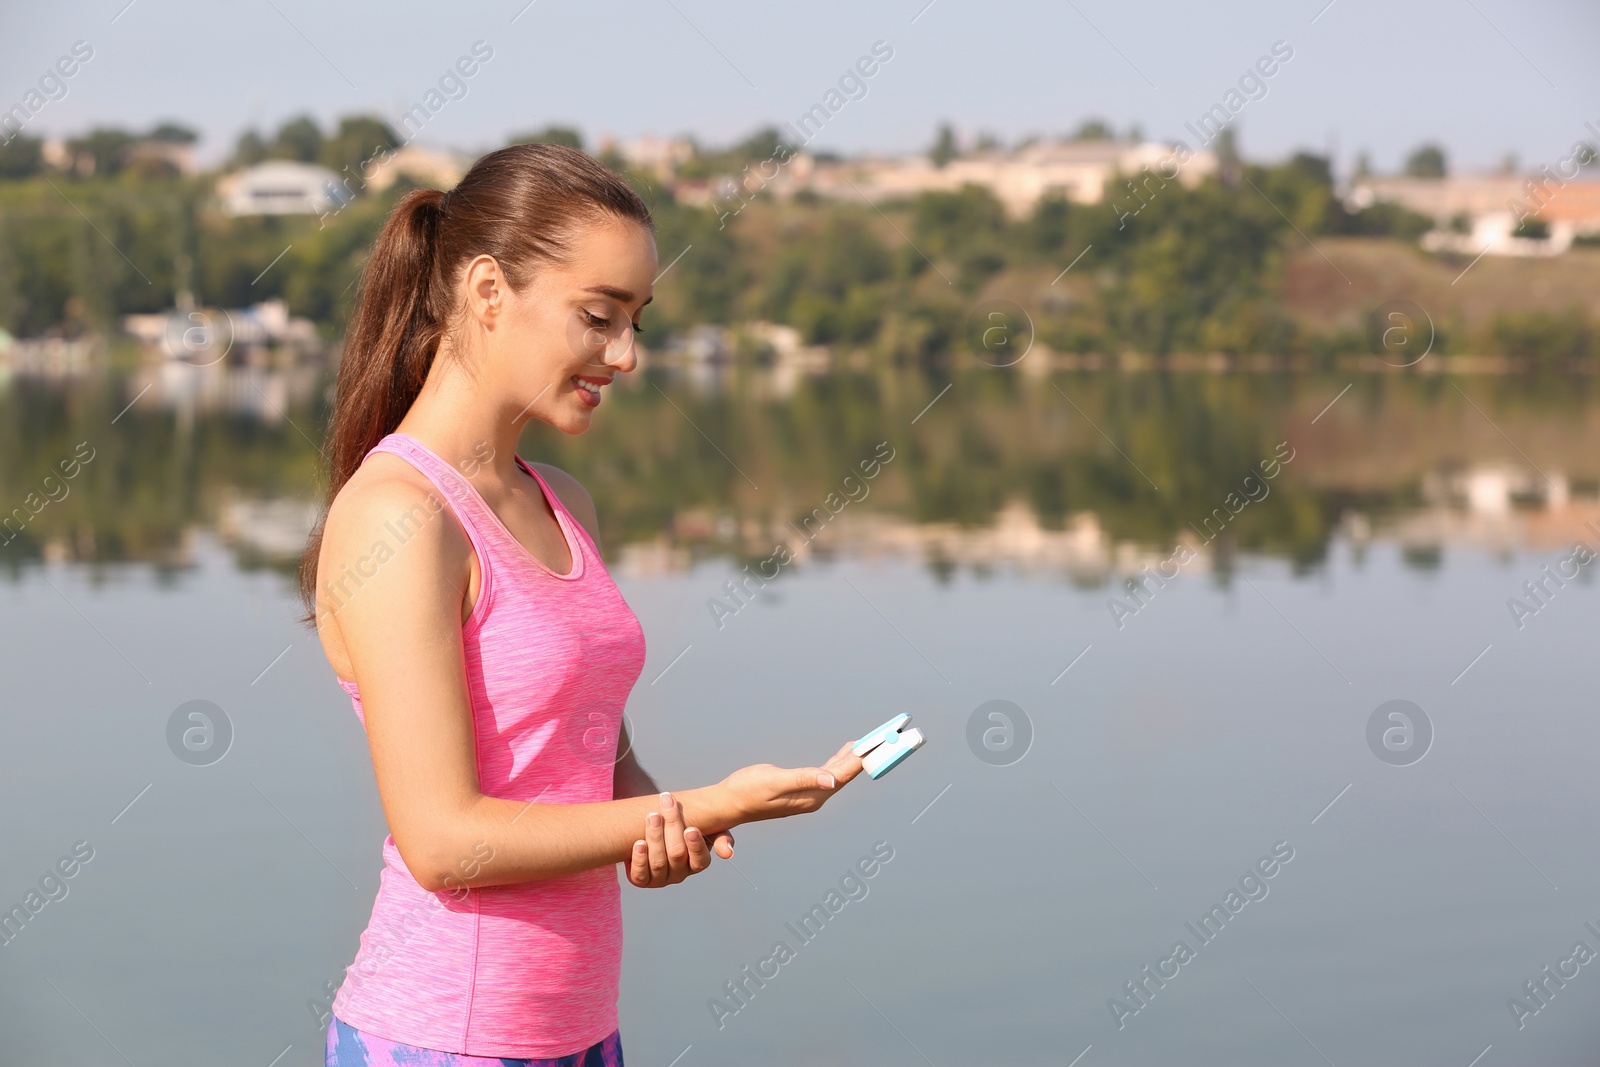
[{"x": 521, "y": 205}]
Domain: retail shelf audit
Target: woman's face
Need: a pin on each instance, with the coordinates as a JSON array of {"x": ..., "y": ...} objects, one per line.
[{"x": 569, "y": 332}]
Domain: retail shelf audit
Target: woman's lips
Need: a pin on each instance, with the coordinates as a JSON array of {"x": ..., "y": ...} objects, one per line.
[{"x": 588, "y": 389}]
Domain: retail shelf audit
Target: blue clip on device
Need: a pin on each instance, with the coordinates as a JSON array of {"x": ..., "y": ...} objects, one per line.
[{"x": 887, "y": 746}]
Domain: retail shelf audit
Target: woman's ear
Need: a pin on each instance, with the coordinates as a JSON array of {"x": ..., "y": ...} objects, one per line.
[{"x": 486, "y": 289}]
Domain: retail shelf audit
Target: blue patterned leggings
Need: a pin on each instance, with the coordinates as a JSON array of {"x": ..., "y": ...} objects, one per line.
[{"x": 349, "y": 1047}]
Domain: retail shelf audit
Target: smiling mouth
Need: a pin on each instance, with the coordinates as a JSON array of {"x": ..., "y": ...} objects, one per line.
[{"x": 591, "y": 386}]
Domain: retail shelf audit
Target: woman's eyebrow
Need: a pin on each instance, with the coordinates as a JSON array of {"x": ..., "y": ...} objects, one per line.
[{"x": 623, "y": 296}]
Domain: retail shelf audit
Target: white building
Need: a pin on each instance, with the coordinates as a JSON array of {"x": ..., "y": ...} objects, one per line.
[
  {"x": 178, "y": 154},
  {"x": 660, "y": 155},
  {"x": 425, "y": 166},
  {"x": 1480, "y": 213},
  {"x": 282, "y": 187},
  {"x": 1077, "y": 170}
]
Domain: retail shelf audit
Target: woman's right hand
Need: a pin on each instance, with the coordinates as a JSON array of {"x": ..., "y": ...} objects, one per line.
[{"x": 764, "y": 791}]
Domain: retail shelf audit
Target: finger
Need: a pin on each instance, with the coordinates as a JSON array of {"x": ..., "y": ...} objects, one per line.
[
  {"x": 844, "y": 750},
  {"x": 844, "y": 764},
  {"x": 655, "y": 836},
  {"x": 639, "y": 865},
  {"x": 813, "y": 778},
  {"x": 722, "y": 844},
  {"x": 699, "y": 851},
  {"x": 677, "y": 848}
]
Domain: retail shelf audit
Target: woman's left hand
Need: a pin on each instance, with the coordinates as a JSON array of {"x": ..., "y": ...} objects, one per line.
[{"x": 669, "y": 852}]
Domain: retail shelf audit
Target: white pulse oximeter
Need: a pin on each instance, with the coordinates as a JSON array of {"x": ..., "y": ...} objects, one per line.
[{"x": 887, "y": 746}]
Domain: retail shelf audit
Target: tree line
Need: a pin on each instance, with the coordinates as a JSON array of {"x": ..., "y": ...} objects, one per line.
[{"x": 1170, "y": 267}]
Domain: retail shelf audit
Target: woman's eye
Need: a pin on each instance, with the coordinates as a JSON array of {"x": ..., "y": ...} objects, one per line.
[
  {"x": 637, "y": 328},
  {"x": 595, "y": 320}
]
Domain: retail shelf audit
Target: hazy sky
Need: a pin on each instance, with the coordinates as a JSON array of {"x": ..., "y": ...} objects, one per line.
[{"x": 1482, "y": 76}]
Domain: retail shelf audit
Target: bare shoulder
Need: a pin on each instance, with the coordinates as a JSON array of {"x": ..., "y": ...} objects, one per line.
[
  {"x": 382, "y": 490},
  {"x": 573, "y": 496},
  {"x": 387, "y": 503}
]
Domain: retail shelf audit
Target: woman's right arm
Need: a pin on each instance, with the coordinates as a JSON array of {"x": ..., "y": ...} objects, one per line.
[{"x": 401, "y": 628}]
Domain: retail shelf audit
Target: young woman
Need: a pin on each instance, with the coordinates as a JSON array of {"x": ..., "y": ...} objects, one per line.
[{"x": 460, "y": 598}]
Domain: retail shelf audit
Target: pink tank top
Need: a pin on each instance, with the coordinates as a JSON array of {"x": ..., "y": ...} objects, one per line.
[{"x": 532, "y": 970}]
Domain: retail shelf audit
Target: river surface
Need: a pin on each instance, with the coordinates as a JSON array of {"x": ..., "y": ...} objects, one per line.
[{"x": 1160, "y": 746}]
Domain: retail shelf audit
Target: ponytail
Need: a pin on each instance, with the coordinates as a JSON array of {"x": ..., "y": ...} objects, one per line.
[
  {"x": 521, "y": 205},
  {"x": 388, "y": 348}
]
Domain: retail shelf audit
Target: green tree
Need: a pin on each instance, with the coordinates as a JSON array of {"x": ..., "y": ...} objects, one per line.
[
  {"x": 707, "y": 284},
  {"x": 1303, "y": 189},
  {"x": 968, "y": 226},
  {"x": 1191, "y": 270},
  {"x": 562, "y": 135},
  {"x": 1426, "y": 161},
  {"x": 945, "y": 222},
  {"x": 358, "y": 139},
  {"x": 172, "y": 133},
  {"x": 298, "y": 139},
  {"x": 765, "y": 144},
  {"x": 251, "y": 148},
  {"x": 816, "y": 272},
  {"x": 1226, "y": 147},
  {"x": 1051, "y": 229},
  {"x": 21, "y": 157},
  {"x": 10, "y": 296},
  {"x": 101, "y": 151},
  {"x": 1092, "y": 130},
  {"x": 944, "y": 146},
  {"x": 1543, "y": 338}
]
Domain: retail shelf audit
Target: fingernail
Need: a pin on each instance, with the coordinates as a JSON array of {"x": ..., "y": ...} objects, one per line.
[
  {"x": 654, "y": 819},
  {"x": 666, "y": 801},
  {"x": 825, "y": 781},
  {"x": 638, "y": 846},
  {"x": 691, "y": 831}
]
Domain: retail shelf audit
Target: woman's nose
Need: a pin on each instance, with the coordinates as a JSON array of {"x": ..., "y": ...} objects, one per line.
[{"x": 621, "y": 353}]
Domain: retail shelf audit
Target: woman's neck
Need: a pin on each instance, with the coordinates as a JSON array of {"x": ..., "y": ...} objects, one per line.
[{"x": 465, "y": 421}]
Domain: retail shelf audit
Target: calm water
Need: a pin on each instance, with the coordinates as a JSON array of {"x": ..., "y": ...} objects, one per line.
[{"x": 1150, "y": 767}]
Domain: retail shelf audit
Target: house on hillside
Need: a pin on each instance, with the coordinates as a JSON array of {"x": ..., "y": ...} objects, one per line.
[
  {"x": 662, "y": 156},
  {"x": 1076, "y": 170},
  {"x": 425, "y": 166},
  {"x": 1483, "y": 214},
  {"x": 282, "y": 187}
]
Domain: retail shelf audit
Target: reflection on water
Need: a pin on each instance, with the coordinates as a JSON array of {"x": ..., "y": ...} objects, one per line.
[{"x": 1084, "y": 477}]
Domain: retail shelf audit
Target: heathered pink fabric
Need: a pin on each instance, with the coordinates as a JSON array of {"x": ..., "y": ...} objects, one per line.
[{"x": 529, "y": 970}]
